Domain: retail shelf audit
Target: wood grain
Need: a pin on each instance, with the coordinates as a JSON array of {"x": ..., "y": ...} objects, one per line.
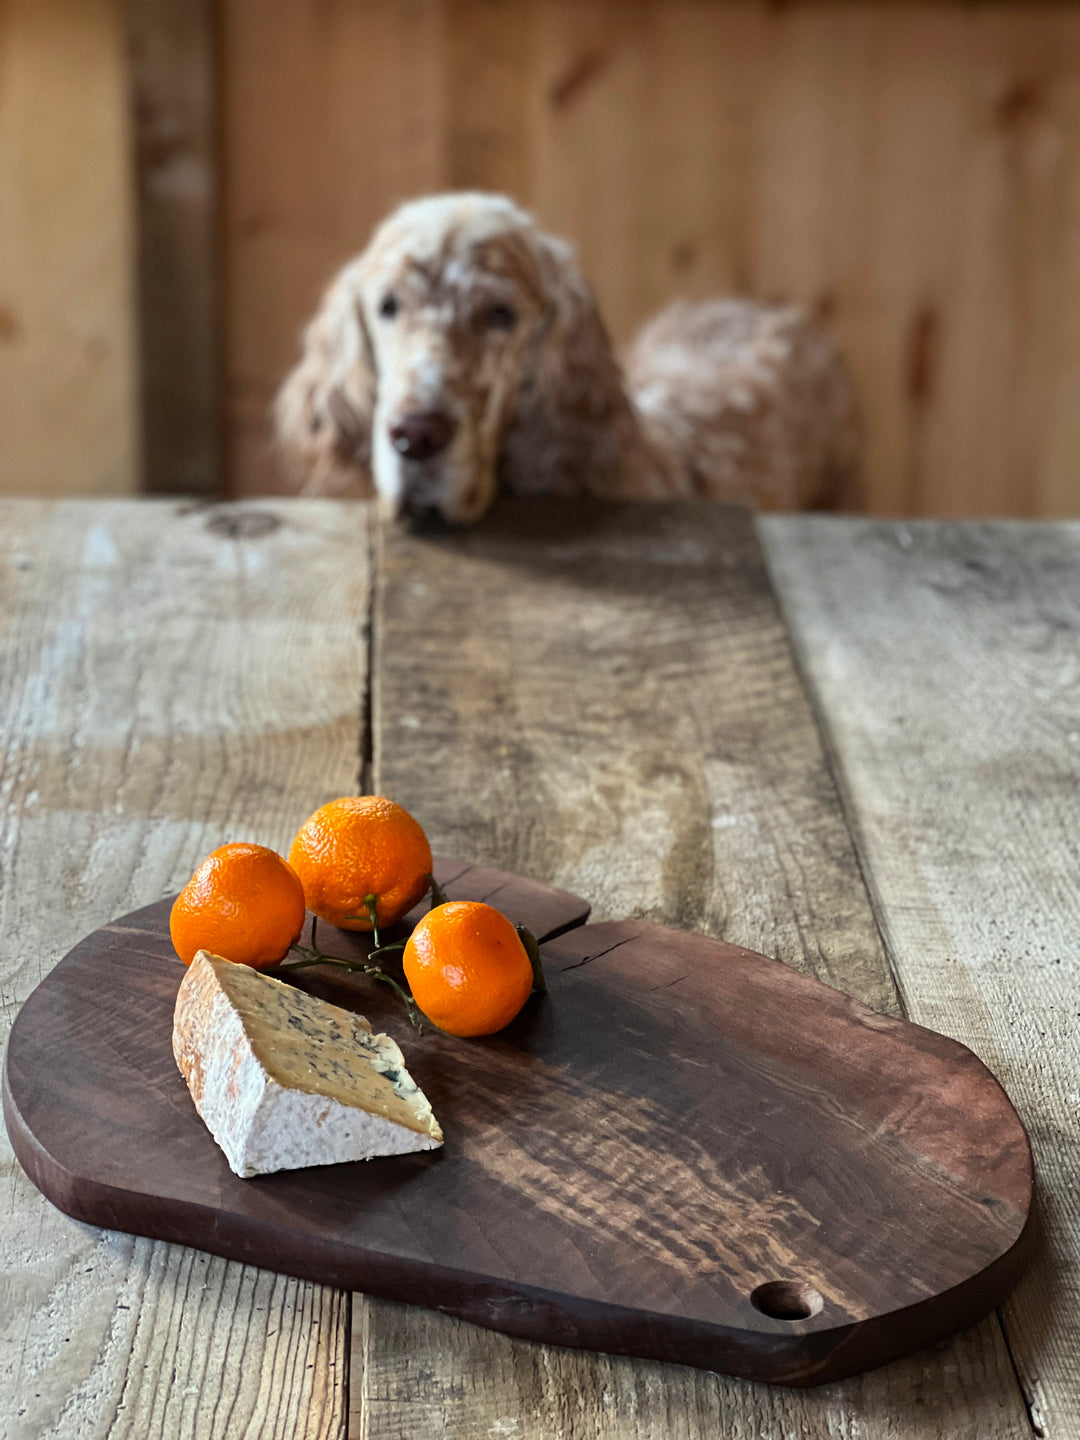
[
  {"x": 683, "y": 782},
  {"x": 175, "y": 120},
  {"x": 68, "y": 363},
  {"x": 103, "y": 1310},
  {"x": 169, "y": 679},
  {"x": 902, "y": 169},
  {"x": 944, "y": 660},
  {"x": 684, "y": 1151},
  {"x": 364, "y": 89},
  {"x": 487, "y": 54}
]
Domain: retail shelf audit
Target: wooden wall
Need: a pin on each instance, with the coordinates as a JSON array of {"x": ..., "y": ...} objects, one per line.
[
  {"x": 910, "y": 171},
  {"x": 67, "y": 348},
  {"x": 173, "y": 97}
]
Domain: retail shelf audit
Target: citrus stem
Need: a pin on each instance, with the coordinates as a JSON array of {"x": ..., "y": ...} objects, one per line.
[
  {"x": 313, "y": 956},
  {"x": 390, "y": 949},
  {"x": 438, "y": 894},
  {"x": 373, "y": 916},
  {"x": 303, "y": 964},
  {"x": 402, "y": 993},
  {"x": 370, "y": 914}
]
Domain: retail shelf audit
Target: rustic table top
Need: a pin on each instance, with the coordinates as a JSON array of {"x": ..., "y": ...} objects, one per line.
[{"x": 851, "y": 744}]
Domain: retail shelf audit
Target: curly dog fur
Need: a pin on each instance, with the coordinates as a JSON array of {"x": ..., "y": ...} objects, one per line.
[{"x": 463, "y": 354}]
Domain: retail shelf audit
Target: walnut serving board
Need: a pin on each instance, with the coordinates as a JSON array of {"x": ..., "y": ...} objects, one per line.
[{"x": 685, "y": 1151}]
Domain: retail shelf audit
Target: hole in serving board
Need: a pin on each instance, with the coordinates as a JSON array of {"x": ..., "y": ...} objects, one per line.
[{"x": 787, "y": 1300}]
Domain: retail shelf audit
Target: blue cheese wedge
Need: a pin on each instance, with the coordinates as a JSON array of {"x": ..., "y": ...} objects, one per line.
[{"x": 284, "y": 1080}]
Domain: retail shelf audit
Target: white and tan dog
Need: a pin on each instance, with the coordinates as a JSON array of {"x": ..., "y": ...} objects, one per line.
[{"x": 463, "y": 353}]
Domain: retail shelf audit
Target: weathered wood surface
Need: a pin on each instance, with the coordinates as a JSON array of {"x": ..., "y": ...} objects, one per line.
[
  {"x": 139, "y": 650},
  {"x": 169, "y": 679},
  {"x": 946, "y": 665},
  {"x": 612, "y": 696}
]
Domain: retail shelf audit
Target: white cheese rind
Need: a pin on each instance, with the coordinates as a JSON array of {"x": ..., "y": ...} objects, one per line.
[
  {"x": 283, "y": 1080},
  {"x": 291, "y": 1129}
]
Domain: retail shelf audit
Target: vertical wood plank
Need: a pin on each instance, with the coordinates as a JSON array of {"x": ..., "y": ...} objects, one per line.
[
  {"x": 608, "y": 698},
  {"x": 699, "y": 151},
  {"x": 586, "y": 114},
  {"x": 67, "y": 324},
  {"x": 174, "y": 103},
  {"x": 333, "y": 113},
  {"x": 488, "y": 46},
  {"x": 945, "y": 664},
  {"x": 170, "y": 678},
  {"x": 916, "y": 169}
]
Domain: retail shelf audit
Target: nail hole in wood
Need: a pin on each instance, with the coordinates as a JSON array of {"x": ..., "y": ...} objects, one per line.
[{"x": 787, "y": 1300}]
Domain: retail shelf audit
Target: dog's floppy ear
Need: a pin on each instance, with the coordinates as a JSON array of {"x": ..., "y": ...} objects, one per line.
[
  {"x": 573, "y": 424},
  {"x": 323, "y": 411}
]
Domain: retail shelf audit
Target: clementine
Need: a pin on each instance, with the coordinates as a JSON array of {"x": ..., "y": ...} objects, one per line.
[
  {"x": 358, "y": 847},
  {"x": 467, "y": 969},
  {"x": 244, "y": 903}
]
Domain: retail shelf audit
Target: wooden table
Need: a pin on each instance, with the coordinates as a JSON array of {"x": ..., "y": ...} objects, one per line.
[{"x": 874, "y": 780}]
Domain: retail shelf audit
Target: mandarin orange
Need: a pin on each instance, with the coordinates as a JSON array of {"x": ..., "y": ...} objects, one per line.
[
  {"x": 467, "y": 968},
  {"x": 244, "y": 903},
  {"x": 356, "y": 847}
]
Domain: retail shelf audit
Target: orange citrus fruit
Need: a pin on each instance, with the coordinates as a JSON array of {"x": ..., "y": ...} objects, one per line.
[
  {"x": 467, "y": 968},
  {"x": 244, "y": 903},
  {"x": 358, "y": 846}
]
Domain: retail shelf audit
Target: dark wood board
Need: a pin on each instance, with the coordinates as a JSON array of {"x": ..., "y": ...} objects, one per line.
[{"x": 676, "y": 1154}]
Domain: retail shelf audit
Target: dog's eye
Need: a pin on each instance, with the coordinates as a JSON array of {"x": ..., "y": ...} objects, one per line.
[
  {"x": 501, "y": 317},
  {"x": 388, "y": 308}
]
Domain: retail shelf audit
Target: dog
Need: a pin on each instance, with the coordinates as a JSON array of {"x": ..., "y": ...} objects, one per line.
[{"x": 463, "y": 354}]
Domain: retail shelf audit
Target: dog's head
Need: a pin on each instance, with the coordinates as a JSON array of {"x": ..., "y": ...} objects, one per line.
[{"x": 462, "y": 344}]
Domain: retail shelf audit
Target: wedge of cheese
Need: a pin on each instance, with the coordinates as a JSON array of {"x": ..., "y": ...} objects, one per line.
[{"x": 284, "y": 1080}]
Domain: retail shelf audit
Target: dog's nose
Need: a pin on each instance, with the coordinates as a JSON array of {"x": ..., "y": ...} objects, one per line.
[{"x": 421, "y": 435}]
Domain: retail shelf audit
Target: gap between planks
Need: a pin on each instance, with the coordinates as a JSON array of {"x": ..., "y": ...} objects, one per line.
[
  {"x": 840, "y": 779},
  {"x": 503, "y": 634},
  {"x": 944, "y": 662}
]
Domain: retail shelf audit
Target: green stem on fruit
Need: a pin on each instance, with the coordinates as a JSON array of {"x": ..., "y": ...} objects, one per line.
[
  {"x": 438, "y": 894},
  {"x": 400, "y": 991},
  {"x": 390, "y": 949},
  {"x": 313, "y": 956},
  {"x": 369, "y": 914},
  {"x": 370, "y": 905}
]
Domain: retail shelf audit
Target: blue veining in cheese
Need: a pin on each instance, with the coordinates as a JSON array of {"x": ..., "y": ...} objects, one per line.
[{"x": 284, "y": 1080}]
